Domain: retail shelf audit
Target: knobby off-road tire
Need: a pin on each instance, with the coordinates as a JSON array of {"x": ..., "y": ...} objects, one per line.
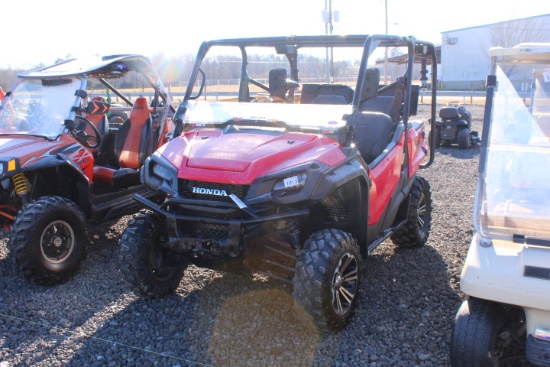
[
  {"x": 474, "y": 341},
  {"x": 414, "y": 233},
  {"x": 49, "y": 240},
  {"x": 326, "y": 280},
  {"x": 463, "y": 138},
  {"x": 151, "y": 270}
]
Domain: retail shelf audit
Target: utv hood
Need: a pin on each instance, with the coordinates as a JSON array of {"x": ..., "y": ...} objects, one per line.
[
  {"x": 235, "y": 142},
  {"x": 241, "y": 158},
  {"x": 238, "y": 151}
]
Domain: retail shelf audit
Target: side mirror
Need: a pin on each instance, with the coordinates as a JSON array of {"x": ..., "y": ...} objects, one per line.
[
  {"x": 178, "y": 120},
  {"x": 201, "y": 83}
]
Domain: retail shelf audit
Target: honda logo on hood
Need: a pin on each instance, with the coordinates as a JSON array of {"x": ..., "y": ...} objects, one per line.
[{"x": 203, "y": 191}]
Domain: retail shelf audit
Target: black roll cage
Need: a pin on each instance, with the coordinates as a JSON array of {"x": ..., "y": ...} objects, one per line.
[{"x": 418, "y": 52}]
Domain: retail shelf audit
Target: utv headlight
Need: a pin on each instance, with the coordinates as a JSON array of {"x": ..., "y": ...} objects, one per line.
[
  {"x": 294, "y": 182},
  {"x": 159, "y": 174},
  {"x": 160, "y": 171}
]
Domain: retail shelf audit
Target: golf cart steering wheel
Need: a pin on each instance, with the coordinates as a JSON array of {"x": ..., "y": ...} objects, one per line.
[{"x": 89, "y": 141}]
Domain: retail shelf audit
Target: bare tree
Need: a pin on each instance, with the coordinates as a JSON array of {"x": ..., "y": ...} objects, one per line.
[
  {"x": 8, "y": 76},
  {"x": 510, "y": 33},
  {"x": 513, "y": 32}
]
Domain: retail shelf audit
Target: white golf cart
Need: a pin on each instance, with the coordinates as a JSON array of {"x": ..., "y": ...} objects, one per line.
[{"x": 506, "y": 275}]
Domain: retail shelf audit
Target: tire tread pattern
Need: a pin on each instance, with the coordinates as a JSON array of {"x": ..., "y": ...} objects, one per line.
[
  {"x": 410, "y": 235},
  {"x": 135, "y": 243},
  {"x": 477, "y": 324},
  {"x": 313, "y": 276},
  {"x": 24, "y": 234}
]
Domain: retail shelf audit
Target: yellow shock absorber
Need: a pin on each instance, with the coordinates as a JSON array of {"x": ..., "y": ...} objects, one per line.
[{"x": 21, "y": 184}]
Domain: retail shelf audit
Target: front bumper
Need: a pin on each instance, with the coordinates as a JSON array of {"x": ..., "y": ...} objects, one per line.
[
  {"x": 503, "y": 272},
  {"x": 230, "y": 243}
]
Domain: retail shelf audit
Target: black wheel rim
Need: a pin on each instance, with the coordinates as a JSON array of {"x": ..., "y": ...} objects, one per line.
[
  {"x": 57, "y": 242},
  {"x": 158, "y": 263},
  {"x": 344, "y": 284},
  {"x": 421, "y": 211}
]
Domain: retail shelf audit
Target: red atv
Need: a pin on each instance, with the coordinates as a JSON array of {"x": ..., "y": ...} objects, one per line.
[
  {"x": 68, "y": 158},
  {"x": 287, "y": 175}
]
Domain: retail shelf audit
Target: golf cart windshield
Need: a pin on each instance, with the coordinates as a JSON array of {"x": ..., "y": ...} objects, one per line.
[
  {"x": 38, "y": 107},
  {"x": 513, "y": 196}
]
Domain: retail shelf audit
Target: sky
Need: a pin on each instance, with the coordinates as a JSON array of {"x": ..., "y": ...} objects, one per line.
[{"x": 40, "y": 32}]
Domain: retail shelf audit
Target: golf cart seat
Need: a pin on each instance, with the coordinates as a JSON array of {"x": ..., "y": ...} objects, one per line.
[{"x": 133, "y": 144}]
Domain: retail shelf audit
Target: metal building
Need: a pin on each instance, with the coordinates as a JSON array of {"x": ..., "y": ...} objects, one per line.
[{"x": 465, "y": 59}]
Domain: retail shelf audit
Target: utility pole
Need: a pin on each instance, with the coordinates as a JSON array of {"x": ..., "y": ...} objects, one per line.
[
  {"x": 386, "y": 49},
  {"x": 329, "y": 17}
]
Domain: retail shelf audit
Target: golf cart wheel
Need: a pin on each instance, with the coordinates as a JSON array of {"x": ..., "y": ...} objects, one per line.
[
  {"x": 149, "y": 268},
  {"x": 414, "y": 233},
  {"x": 49, "y": 240},
  {"x": 463, "y": 138},
  {"x": 326, "y": 280},
  {"x": 474, "y": 341}
]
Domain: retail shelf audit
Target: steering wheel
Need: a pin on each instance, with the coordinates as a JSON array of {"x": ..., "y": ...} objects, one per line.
[{"x": 89, "y": 141}]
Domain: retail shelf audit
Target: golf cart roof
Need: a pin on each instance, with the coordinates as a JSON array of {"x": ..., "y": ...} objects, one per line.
[
  {"x": 525, "y": 53},
  {"x": 100, "y": 66}
]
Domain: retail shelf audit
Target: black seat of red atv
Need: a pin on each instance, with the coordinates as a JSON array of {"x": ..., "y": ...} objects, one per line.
[
  {"x": 373, "y": 132},
  {"x": 390, "y": 101},
  {"x": 132, "y": 146}
]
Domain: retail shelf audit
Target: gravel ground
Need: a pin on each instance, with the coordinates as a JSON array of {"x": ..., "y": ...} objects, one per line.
[{"x": 404, "y": 317}]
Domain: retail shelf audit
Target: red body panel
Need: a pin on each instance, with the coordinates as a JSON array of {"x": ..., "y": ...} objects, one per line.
[
  {"x": 417, "y": 148},
  {"x": 31, "y": 149},
  {"x": 241, "y": 158}
]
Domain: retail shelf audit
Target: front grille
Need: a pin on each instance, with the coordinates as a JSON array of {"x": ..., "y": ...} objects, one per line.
[
  {"x": 210, "y": 190},
  {"x": 205, "y": 230}
]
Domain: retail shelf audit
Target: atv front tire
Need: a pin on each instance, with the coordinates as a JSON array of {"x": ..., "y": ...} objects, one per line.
[
  {"x": 414, "y": 233},
  {"x": 326, "y": 280},
  {"x": 49, "y": 240},
  {"x": 474, "y": 341},
  {"x": 150, "y": 269}
]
